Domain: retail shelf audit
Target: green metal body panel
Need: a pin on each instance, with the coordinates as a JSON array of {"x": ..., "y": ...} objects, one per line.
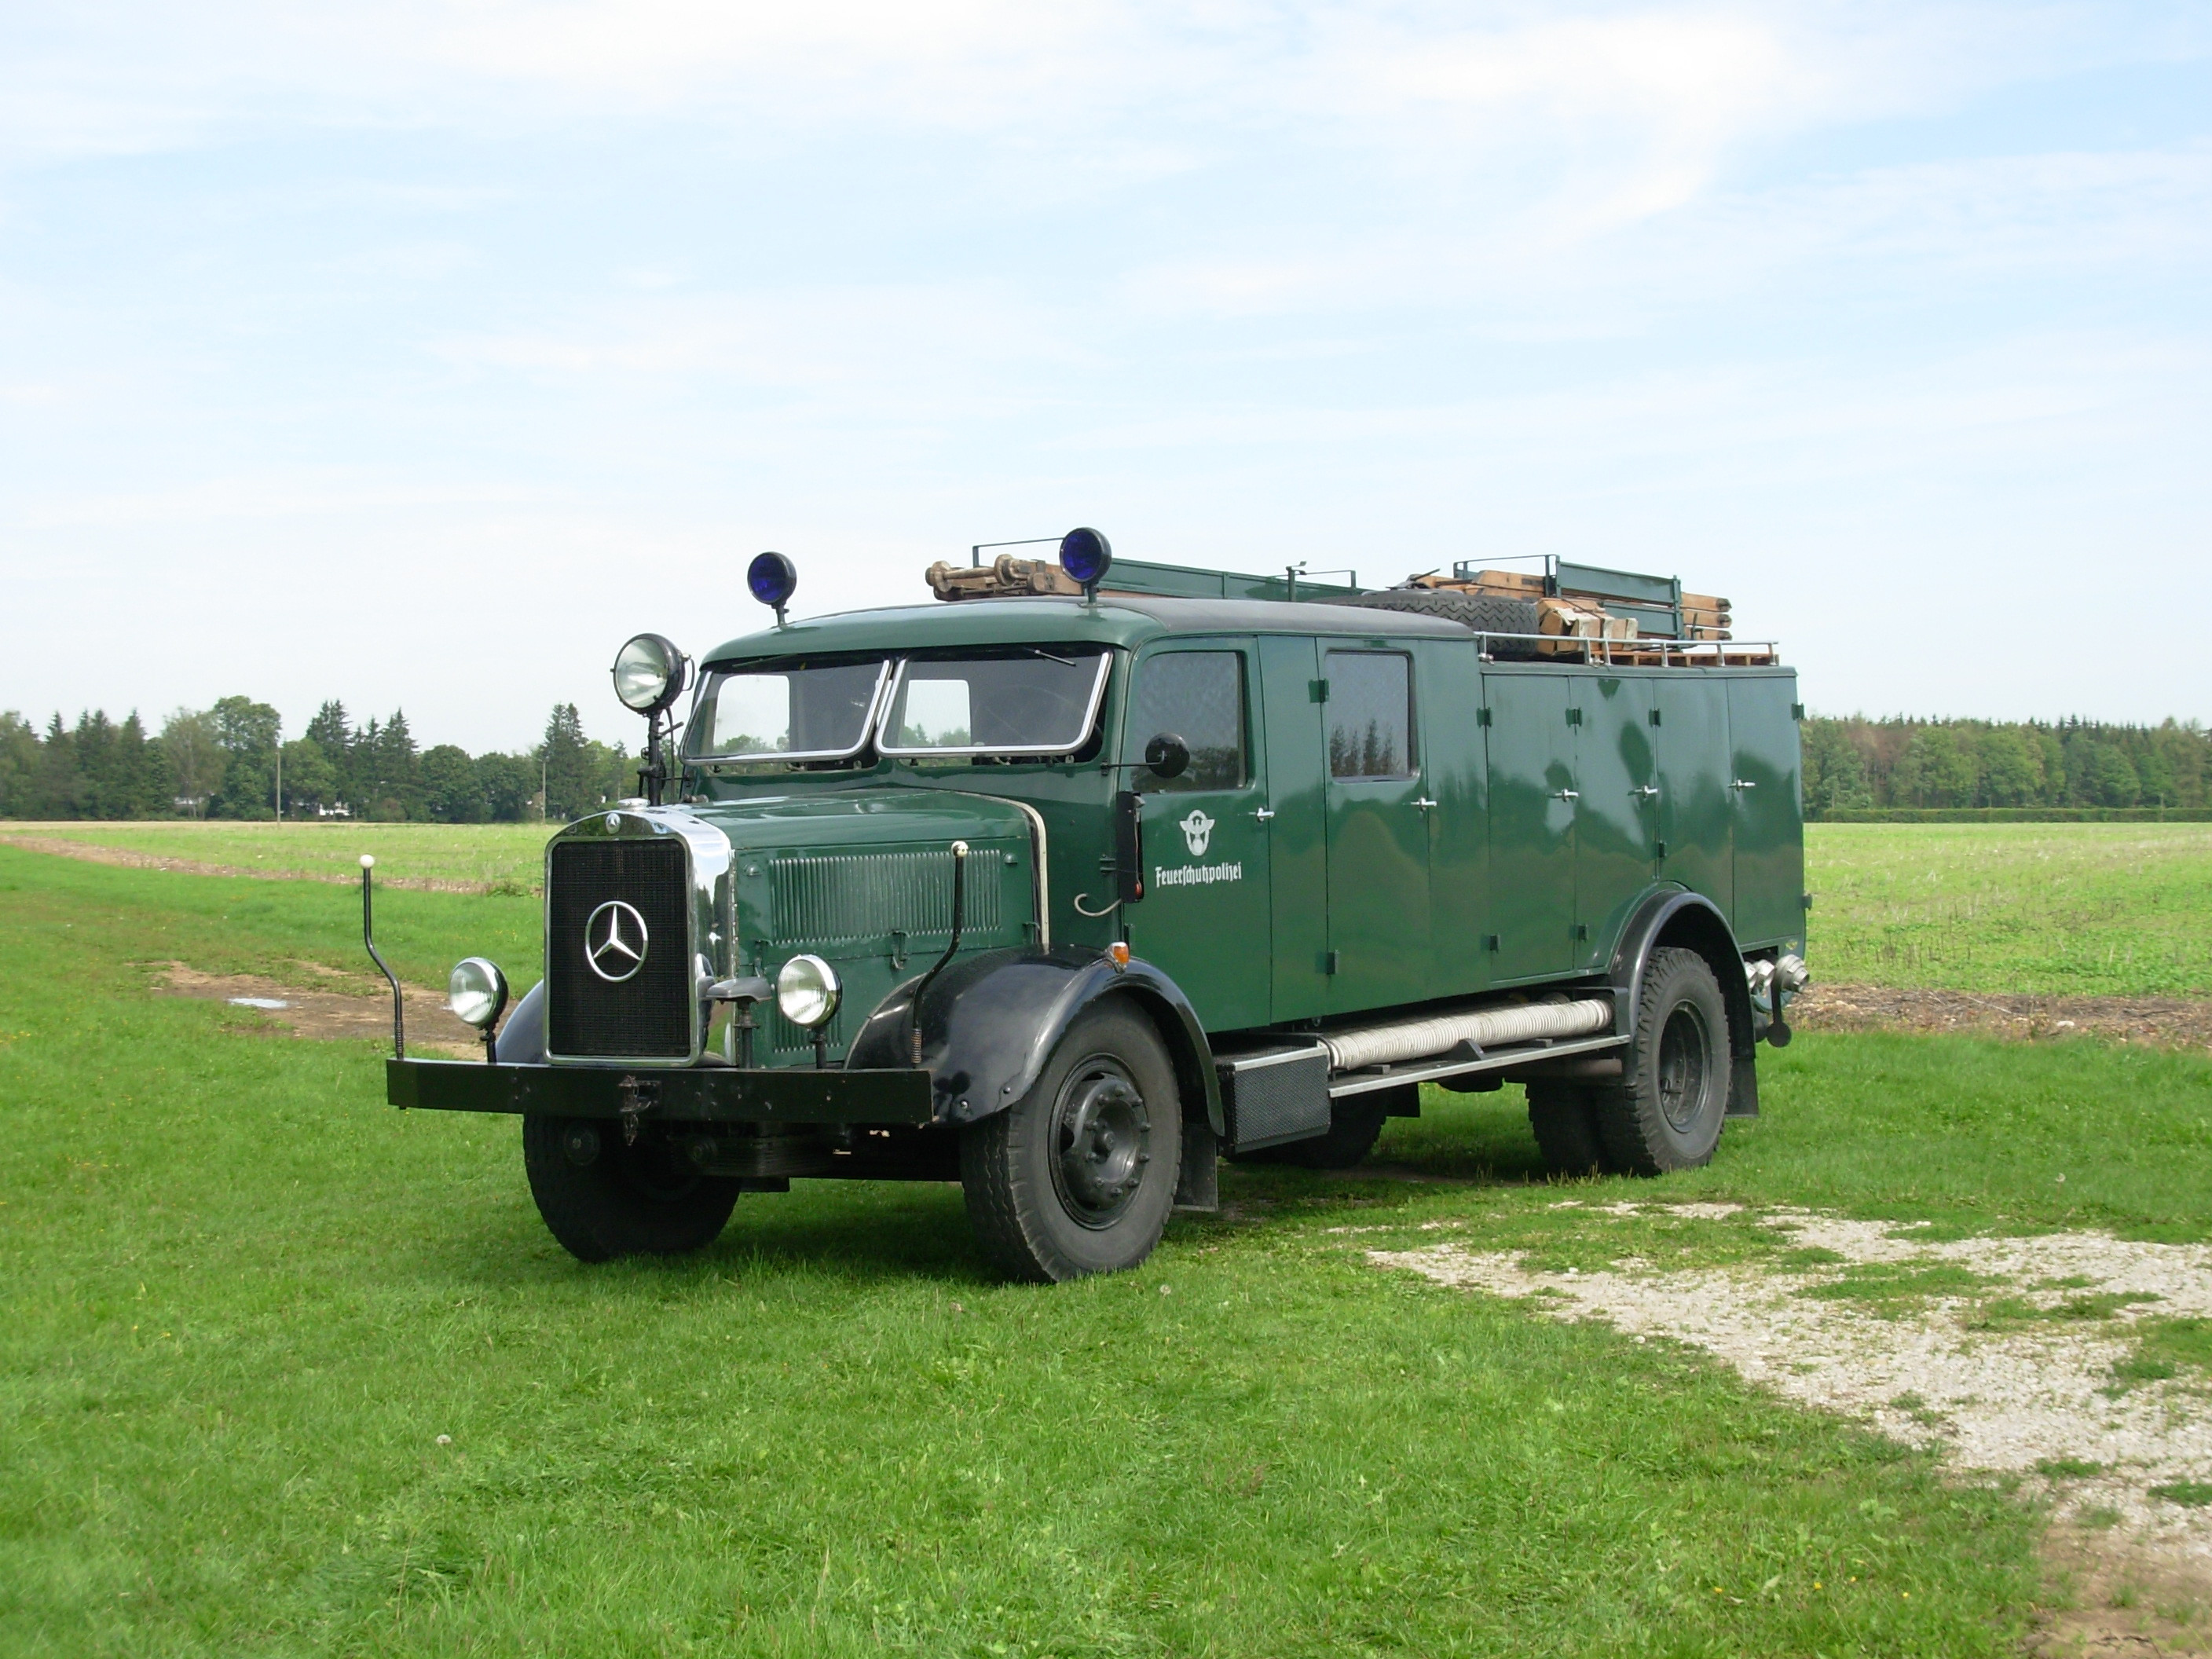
[
  {"x": 1543, "y": 835},
  {"x": 1531, "y": 763},
  {"x": 1616, "y": 824},
  {"x": 1298, "y": 974},
  {"x": 1696, "y": 811},
  {"x": 1770, "y": 822}
]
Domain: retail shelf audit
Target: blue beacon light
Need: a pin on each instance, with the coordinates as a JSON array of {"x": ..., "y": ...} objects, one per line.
[
  {"x": 1086, "y": 555},
  {"x": 773, "y": 579}
]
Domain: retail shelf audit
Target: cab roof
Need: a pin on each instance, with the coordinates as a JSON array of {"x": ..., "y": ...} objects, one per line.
[{"x": 1127, "y": 620}]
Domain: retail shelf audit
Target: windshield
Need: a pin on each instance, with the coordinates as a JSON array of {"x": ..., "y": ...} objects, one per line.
[
  {"x": 1017, "y": 702},
  {"x": 787, "y": 711}
]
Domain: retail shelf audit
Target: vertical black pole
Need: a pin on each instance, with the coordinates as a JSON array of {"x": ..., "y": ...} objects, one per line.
[{"x": 368, "y": 937}]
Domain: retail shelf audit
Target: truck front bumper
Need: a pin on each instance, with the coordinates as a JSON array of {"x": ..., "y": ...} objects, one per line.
[{"x": 701, "y": 1094}]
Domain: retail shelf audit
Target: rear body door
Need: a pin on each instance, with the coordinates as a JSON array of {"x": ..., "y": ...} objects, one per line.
[
  {"x": 1206, "y": 915},
  {"x": 1378, "y": 808},
  {"x": 1769, "y": 820},
  {"x": 1532, "y": 822},
  {"x": 1616, "y": 814},
  {"x": 1696, "y": 808}
]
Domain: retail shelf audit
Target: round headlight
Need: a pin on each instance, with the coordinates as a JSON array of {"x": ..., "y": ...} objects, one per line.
[
  {"x": 649, "y": 673},
  {"x": 806, "y": 992},
  {"x": 476, "y": 992}
]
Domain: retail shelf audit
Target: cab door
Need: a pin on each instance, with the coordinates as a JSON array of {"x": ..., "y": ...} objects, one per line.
[
  {"x": 1206, "y": 916},
  {"x": 1377, "y": 803}
]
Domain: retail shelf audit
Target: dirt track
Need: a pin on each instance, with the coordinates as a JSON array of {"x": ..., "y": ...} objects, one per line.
[{"x": 2161, "y": 1021}]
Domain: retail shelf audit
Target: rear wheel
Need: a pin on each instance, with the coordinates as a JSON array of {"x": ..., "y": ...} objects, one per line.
[
  {"x": 1565, "y": 1118},
  {"x": 601, "y": 1198},
  {"x": 1080, "y": 1175},
  {"x": 1666, "y": 1111}
]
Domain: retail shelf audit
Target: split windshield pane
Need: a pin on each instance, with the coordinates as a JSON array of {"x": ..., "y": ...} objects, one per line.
[
  {"x": 1032, "y": 702},
  {"x": 789, "y": 711}
]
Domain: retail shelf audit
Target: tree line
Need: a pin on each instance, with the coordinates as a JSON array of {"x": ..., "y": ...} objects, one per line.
[
  {"x": 1901, "y": 762},
  {"x": 232, "y": 761}
]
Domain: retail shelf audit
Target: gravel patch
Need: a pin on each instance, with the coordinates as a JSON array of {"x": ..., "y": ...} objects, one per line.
[{"x": 2015, "y": 1399}]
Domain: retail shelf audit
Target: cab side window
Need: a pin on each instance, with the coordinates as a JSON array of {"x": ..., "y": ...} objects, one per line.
[
  {"x": 1199, "y": 696},
  {"x": 1370, "y": 713}
]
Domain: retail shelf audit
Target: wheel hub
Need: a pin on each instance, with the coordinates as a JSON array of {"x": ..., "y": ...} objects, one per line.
[
  {"x": 1682, "y": 1067},
  {"x": 1104, "y": 1141}
]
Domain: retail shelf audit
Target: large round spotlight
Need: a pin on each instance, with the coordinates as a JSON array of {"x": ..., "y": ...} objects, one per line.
[
  {"x": 773, "y": 579},
  {"x": 1085, "y": 554},
  {"x": 806, "y": 992},
  {"x": 476, "y": 992},
  {"x": 649, "y": 674}
]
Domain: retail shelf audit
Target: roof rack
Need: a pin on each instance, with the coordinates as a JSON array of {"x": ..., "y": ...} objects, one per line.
[{"x": 1575, "y": 600}]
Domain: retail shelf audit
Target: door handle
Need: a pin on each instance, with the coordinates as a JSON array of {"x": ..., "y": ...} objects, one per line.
[
  {"x": 1742, "y": 783},
  {"x": 1568, "y": 795},
  {"x": 1424, "y": 803},
  {"x": 1264, "y": 814},
  {"x": 1646, "y": 791}
]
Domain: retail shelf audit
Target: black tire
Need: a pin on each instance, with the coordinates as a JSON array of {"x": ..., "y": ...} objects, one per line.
[
  {"x": 1667, "y": 1110},
  {"x": 601, "y": 1198},
  {"x": 1485, "y": 613},
  {"x": 1078, "y": 1178},
  {"x": 1565, "y": 1120},
  {"x": 1355, "y": 1123}
]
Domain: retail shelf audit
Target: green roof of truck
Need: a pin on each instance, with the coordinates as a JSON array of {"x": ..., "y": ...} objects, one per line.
[{"x": 1117, "y": 620}]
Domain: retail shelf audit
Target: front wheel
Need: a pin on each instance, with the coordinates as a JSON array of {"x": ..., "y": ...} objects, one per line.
[
  {"x": 603, "y": 1197},
  {"x": 1078, "y": 1178}
]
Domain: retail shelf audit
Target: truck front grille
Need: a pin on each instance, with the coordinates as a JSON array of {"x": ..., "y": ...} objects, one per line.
[
  {"x": 648, "y": 1015},
  {"x": 860, "y": 898}
]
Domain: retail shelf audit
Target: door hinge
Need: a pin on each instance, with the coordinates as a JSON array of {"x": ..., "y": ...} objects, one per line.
[
  {"x": 1493, "y": 943},
  {"x": 1330, "y": 960},
  {"x": 1574, "y": 717},
  {"x": 1482, "y": 717},
  {"x": 1796, "y": 711},
  {"x": 1659, "y": 849},
  {"x": 1655, "y": 717},
  {"x": 1318, "y": 689},
  {"x": 1582, "y": 931}
]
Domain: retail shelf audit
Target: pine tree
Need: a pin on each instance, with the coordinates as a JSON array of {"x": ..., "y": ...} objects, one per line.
[
  {"x": 336, "y": 738},
  {"x": 19, "y": 764},
  {"x": 566, "y": 765}
]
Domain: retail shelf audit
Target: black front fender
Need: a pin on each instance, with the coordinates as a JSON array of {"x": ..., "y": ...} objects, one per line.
[{"x": 989, "y": 1024}]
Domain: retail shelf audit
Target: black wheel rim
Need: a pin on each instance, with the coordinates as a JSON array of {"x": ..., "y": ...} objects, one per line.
[
  {"x": 1685, "y": 1066},
  {"x": 1101, "y": 1139}
]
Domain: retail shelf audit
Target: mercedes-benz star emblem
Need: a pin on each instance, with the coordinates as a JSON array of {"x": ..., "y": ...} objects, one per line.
[{"x": 614, "y": 941}]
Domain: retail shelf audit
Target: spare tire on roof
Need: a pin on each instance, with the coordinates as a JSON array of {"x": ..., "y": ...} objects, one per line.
[{"x": 1485, "y": 613}]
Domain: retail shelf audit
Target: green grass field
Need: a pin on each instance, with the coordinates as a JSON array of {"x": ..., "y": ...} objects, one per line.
[
  {"x": 2049, "y": 908},
  {"x": 240, "y": 1301}
]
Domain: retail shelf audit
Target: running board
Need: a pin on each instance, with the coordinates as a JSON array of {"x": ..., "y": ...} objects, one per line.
[{"x": 1457, "y": 1064}]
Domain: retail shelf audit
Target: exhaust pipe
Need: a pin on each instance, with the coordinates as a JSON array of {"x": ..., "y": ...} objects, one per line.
[{"x": 1420, "y": 1039}]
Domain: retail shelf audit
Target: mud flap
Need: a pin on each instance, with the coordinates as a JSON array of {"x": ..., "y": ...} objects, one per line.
[
  {"x": 1198, "y": 1183},
  {"x": 1743, "y": 1087}
]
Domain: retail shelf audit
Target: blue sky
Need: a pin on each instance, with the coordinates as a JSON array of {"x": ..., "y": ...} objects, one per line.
[{"x": 417, "y": 355}]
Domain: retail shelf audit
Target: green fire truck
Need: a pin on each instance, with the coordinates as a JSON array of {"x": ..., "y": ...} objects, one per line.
[{"x": 1098, "y": 872}]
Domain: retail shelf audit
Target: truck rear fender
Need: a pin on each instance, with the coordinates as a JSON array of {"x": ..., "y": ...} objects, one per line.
[
  {"x": 989, "y": 1024},
  {"x": 1679, "y": 917}
]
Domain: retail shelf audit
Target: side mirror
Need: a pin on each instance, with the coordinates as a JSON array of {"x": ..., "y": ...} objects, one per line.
[{"x": 1167, "y": 756}]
